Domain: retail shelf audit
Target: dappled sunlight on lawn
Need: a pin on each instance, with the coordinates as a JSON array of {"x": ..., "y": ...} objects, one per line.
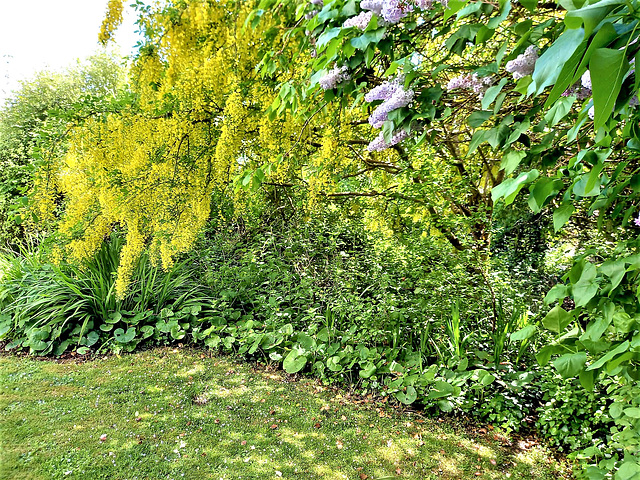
[{"x": 166, "y": 414}]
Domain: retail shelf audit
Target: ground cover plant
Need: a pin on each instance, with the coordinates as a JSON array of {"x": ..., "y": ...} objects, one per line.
[{"x": 180, "y": 413}]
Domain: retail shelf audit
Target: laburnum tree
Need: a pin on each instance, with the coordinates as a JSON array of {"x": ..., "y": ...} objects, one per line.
[
  {"x": 32, "y": 122},
  {"x": 527, "y": 98}
]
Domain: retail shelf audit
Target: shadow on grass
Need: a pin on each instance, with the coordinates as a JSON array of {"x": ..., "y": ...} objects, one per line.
[{"x": 181, "y": 414}]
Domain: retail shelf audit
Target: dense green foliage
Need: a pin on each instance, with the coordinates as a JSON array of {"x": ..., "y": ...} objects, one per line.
[
  {"x": 33, "y": 126},
  {"x": 417, "y": 271}
]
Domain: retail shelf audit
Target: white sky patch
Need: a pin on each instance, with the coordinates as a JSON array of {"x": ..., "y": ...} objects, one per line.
[{"x": 53, "y": 34}]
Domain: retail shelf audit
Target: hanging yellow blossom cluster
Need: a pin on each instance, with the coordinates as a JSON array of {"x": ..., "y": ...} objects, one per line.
[
  {"x": 199, "y": 121},
  {"x": 152, "y": 167},
  {"x": 112, "y": 21}
]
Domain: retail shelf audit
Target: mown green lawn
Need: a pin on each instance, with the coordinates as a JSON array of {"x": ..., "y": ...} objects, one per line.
[{"x": 179, "y": 413}]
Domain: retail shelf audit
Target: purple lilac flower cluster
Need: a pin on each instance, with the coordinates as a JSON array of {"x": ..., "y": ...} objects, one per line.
[
  {"x": 361, "y": 20},
  {"x": 637, "y": 221},
  {"x": 523, "y": 64},
  {"x": 317, "y": 2},
  {"x": 379, "y": 144},
  {"x": 394, "y": 96},
  {"x": 334, "y": 77},
  {"x": 582, "y": 89},
  {"x": 392, "y": 11},
  {"x": 471, "y": 82}
]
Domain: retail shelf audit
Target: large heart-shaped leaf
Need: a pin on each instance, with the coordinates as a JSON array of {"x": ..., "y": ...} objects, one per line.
[
  {"x": 294, "y": 362},
  {"x": 124, "y": 337},
  {"x": 557, "y": 319}
]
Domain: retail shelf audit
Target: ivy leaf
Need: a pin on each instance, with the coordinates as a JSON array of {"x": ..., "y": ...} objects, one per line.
[{"x": 607, "y": 67}]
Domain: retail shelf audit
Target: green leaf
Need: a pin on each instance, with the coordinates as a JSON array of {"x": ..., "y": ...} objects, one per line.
[
  {"x": 92, "y": 338},
  {"x": 146, "y": 331},
  {"x": 591, "y": 15},
  {"x": 595, "y": 329},
  {"x": 453, "y": 7},
  {"x": 529, "y": 4},
  {"x": 543, "y": 189},
  {"x": 487, "y": 380},
  {"x": 478, "y": 138},
  {"x": 323, "y": 335},
  {"x": 333, "y": 363},
  {"x": 441, "y": 389},
  {"x": 177, "y": 333},
  {"x": 561, "y": 215},
  {"x": 505, "y": 8},
  {"x": 557, "y": 292},
  {"x": 629, "y": 470},
  {"x": 306, "y": 342},
  {"x": 113, "y": 318},
  {"x": 589, "y": 184},
  {"x": 623, "y": 322},
  {"x": 621, "y": 348},
  {"x": 570, "y": 364},
  {"x": 587, "y": 287},
  {"x": 633, "y": 412},
  {"x": 368, "y": 369},
  {"x": 523, "y": 333},
  {"x": 550, "y": 63},
  {"x": 557, "y": 319},
  {"x": 615, "y": 270},
  {"x": 511, "y": 160},
  {"x": 510, "y": 187},
  {"x": 491, "y": 93},
  {"x": 123, "y": 337},
  {"x": 294, "y": 362},
  {"x": 477, "y": 118},
  {"x": 587, "y": 379},
  {"x": 607, "y": 67},
  {"x": 407, "y": 397},
  {"x": 559, "y": 110}
]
